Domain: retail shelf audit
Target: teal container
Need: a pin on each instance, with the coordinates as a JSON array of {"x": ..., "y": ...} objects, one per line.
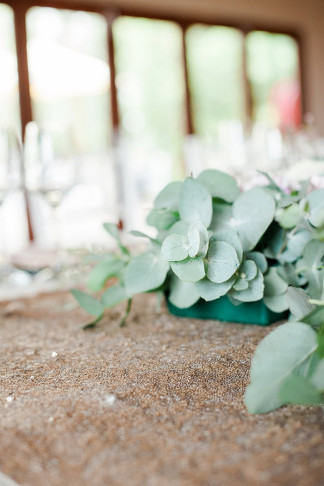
[{"x": 222, "y": 309}]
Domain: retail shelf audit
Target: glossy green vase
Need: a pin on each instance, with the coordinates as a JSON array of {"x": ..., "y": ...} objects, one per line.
[{"x": 222, "y": 309}]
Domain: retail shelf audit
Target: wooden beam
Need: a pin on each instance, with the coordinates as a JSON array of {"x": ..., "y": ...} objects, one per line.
[
  {"x": 110, "y": 17},
  {"x": 188, "y": 105},
  {"x": 248, "y": 99},
  {"x": 26, "y": 114},
  {"x": 22, "y": 64}
]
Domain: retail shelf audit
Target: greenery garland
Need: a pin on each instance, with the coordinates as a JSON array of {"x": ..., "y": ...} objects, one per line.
[{"x": 214, "y": 240}]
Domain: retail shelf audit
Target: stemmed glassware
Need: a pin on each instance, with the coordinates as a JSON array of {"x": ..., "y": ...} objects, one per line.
[
  {"x": 10, "y": 180},
  {"x": 50, "y": 169}
]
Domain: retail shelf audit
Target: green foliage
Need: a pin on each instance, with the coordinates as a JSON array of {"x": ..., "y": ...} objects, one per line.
[
  {"x": 88, "y": 303},
  {"x": 288, "y": 364},
  {"x": 290, "y": 350},
  {"x": 213, "y": 240},
  {"x": 145, "y": 272}
]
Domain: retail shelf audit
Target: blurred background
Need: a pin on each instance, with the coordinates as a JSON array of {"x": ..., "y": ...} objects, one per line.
[{"x": 103, "y": 104}]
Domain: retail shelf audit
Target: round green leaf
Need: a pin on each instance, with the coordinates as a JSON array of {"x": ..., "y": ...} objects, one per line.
[
  {"x": 276, "y": 303},
  {"x": 253, "y": 211},
  {"x": 174, "y": 248},
  {"x": 222, "y": 261},
  {"x": 259, "y": 259},
  {"x": 114, "y": 295},
  {"x": 219, "y": 184},
  {"x": 254, "y": 291},
  {"x": 298, "y": 302},
  {"x": 297, "y": 242},
  {"x": 88, "y": 303},
  {"x": 288, "y": 350},
  {"x": 297, "y": 390},
  {"x": 211, "y": 291},
  {"x": 182, "y": 294},
  {"x": 197, "y": 239},
  {"x": 102, "y": 272},
  {"x": 222, "y": 215},
  {"x": 231, "y": 237},
  {"x": 195, "y": 202},
  {"x": 145, "y": 272},
  {"x": 190, "y": 270},
  {"x": 248, "y": 270},
  {"x": 241, "y": 284},
  {"x": 168, "y": 198},
  {"x": 289, "y": 217},
  {"x": 274, "y": 284},
  {"x": 162, "y": 219}
]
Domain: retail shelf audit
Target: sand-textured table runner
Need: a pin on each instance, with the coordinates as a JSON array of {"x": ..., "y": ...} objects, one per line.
[{"x": 157, "y": 403}]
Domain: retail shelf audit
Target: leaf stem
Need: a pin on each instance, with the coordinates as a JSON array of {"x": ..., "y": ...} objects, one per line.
[{"x": 128, "y": 309}]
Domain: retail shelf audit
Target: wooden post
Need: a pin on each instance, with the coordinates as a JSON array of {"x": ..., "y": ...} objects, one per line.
[
  {"x": 188, "y": 107},
  {"x": 24, "y": 91}
]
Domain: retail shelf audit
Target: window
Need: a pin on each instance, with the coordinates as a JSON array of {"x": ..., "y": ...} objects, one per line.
[
  {"x": 272, "y": 64},
  {"x": 150, "y": 91},
  {"x": 97, "y": 78},
  {"x": 69, "y": 76},
  {"x": 9, "y": 96},
  {"x": 216, "y": 76}
]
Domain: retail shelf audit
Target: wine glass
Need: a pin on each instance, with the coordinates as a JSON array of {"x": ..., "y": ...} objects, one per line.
[
  {"x": 50, "y": 168},
  {"x": 10, "y": 181}
]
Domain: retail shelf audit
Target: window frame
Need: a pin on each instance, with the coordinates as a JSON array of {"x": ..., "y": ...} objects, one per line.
[
  {"x": 184, "y": 21},
  {"x": 111, "y": 13}
]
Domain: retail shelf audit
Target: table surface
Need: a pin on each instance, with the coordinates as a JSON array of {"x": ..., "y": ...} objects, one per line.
[{"x": 158, "y": 402}]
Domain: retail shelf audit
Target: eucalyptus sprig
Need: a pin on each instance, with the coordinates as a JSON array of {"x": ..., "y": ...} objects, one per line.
[
  {"x": 213, "y": 240},
  {"x": 288, "y": 364}
]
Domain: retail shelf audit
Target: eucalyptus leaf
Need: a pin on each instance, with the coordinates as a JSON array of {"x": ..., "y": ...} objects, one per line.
[
  {"x": 222, "y": 216},
  {"x": 317, "y": 217},
  {"x": 195, "y": 202},
  {"x": 100, "y": 274},
  {"x": 175, "y": 248},
  {"x": 229, "y": 236},
  {"x": 182, "y": 294},
  {"x": 193, "y": 241},
  {"x": 211, "y": 291},
  {"x": 219, "y": 184},
  {"x": 145, "y": 272},
  {"x": 315, "y": 199},
  {"x": 114, "y": 295},
  {"x": 259, "y": 259},
  {"x": 222, "y": 261},
  {"x": 168, "y": 198},
  {"x": 253, "y": 212},
  {"x": 315, "y": 318},
  {"x": 286, "y": 351},
  {"x": 88, "y": 303},
  {"x": 274, "y": 284},
  {"x": 190, "y": 270},
  {"x": 241, "y": 284},
  {"x": 180, "y": 227},
  {"x": 113, "y": 230},
  {"x": 298, "y": 302},
  {"x": 277, "y": 303},
  {"x": 313, "y": 257},
  {"x": 198, "y": 239},
  {"x": 140, "y": 234},
  {"x": 276, "y": 238},
  {"x": 162, "y": 219},
  {"x": 299, "y": 391},
  {"x": 317, "y": 377},
  {"x": 254, "y": 291},
  {"x": 248, "y": 270},
  {"x": 289, "y": 217},
  {"x": 297, "y": 242}
]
